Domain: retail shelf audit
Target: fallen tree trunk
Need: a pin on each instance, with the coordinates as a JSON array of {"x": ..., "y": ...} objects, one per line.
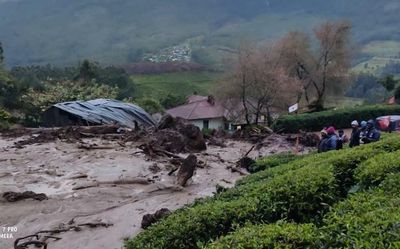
[{"x": 187, "y": 169}]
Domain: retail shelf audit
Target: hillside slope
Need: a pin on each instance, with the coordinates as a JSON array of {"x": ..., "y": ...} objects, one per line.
[{"x": 120, "y": 31}]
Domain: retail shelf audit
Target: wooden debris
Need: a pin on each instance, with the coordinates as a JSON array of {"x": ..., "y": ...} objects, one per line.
[
  {"x": 150, "y": 219},
  {"x": 93, "y": 147},
  {"x": 14, "y": 196},
  {"x": 40, "y": 242},
  {"x": 126, "y": 181}
]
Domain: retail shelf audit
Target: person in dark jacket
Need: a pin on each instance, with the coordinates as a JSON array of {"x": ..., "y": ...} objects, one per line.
[
  {"x": 363, "y": 129},
  {"x": 342, "y": 139},
  {"x": 322, "y": 142},
  {"x": 355, "y": 134},
  {"x": 331, "y": 143},
  {"x": 371, "y": 134}
]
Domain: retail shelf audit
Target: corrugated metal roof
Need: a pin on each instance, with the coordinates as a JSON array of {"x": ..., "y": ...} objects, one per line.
[{"x": 107, "y": 111}]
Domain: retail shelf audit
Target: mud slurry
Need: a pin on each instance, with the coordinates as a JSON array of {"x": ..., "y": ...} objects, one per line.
[{"x": 56, "y": 168}]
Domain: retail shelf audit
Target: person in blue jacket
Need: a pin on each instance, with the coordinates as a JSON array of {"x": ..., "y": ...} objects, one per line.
[{"x": 371, "y": 133}]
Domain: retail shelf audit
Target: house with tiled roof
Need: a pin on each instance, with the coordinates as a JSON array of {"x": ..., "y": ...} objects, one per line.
[{"x": 203, "y": 111}]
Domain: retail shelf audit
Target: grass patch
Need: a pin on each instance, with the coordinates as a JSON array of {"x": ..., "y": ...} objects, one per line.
[{"x": 183, "y": 83}]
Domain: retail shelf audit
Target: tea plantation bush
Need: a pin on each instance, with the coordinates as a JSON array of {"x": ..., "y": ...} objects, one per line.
[
  {"x": 375, "y": 170},
  {"x": 339, "y": 118},
  {"x": 281, "y": 235},
  {"x": 302, "y": 191},
  {"x": 365, "y": 220}
]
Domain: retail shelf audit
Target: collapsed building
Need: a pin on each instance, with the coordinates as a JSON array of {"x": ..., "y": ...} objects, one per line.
[{"x": 97, "y": 112}]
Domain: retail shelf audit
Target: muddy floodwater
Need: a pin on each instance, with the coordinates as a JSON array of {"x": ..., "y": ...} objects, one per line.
[{"x": 62, "y": 170}]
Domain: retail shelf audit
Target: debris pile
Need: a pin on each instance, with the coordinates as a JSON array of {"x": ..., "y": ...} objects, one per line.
[
  {"x": 69, "y": 134},
  {"x": 253, "y": 134},
  {"x": 174, "y": 136},
  {"x": 305, "y": 138}
]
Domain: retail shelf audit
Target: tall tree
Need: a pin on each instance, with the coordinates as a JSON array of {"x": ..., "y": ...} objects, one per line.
[
  {"x": 258, "y": 82},
  {"x": 389, "y": 82},
  {"x": 86, "y": 71},
  {"x": 323, "y": 70}
]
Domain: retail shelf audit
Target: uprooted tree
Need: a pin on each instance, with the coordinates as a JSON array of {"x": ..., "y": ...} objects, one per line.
[{"x": 324, "y": 70}]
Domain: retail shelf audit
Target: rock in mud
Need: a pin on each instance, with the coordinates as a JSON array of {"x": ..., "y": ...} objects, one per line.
[{"x": 150, "y": 219}]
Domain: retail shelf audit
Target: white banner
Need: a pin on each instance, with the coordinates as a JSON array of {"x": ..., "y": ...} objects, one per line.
[{"x": 294, "y": 108}]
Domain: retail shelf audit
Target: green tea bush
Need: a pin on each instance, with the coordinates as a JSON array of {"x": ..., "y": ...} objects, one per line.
[
  {"x": 372, "y": 172},
  {"x": 272, "y": 161},
  {"x": 281, "y": 235},
  {"x": 338, "y": 118},
  {"x": 365, "y": 220}
]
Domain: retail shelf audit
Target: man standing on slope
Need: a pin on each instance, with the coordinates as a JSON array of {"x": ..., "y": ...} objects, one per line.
[{"x": 355, "y": 135}]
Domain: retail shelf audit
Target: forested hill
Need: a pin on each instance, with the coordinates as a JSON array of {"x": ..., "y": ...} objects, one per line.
[{"x": 123, "y": 31}]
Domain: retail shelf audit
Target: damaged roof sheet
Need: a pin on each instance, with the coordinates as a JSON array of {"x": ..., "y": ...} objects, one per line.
[{"x": 107, "y": 111}]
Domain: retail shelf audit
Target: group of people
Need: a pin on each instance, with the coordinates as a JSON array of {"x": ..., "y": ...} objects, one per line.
[{"x": 362, "y": 133}]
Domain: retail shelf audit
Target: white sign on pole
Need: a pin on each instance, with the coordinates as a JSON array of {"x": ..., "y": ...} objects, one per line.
[{"x": 294, "y": 108}]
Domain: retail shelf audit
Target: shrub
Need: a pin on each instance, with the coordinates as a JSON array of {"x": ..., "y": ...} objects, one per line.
[
  {"x": 272, "y": 161},
  {"x": 152, "y": 106},
  {"x": 4, "y": 115},
  {"x": 372, "y": 172},
  {"x": 365, "y": 220},
  {"x": 281, "y": 235},
  {"x": 338, "y": 118},
  {"x": 4, "y": 119}
]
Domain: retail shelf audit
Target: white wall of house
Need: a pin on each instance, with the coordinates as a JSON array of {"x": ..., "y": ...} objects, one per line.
[{"x": 213, "y": 123}]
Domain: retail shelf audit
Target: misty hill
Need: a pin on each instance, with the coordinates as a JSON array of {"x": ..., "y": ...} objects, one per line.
[{"x": 124, "y": 31}]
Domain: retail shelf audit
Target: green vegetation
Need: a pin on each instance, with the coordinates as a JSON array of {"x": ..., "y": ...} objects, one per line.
[
  {"x": 180, "y": 84},
  {"x": 36, "y": 102},
  {"x": 301, "y": 191},
  {"x": 364, "y": 220},
  {"x": 272, "y": 161},
  {"x": 280, "y": 236},
  {"x": 338, "y": 118}
]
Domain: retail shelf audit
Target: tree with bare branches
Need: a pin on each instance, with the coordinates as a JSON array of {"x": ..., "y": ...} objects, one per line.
[
  {"x": 258, "y": 82},
  {"x": 324, "y": 70}
]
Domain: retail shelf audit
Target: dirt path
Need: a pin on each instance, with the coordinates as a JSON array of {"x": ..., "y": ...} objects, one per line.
[{"x": 57, "y": 168}]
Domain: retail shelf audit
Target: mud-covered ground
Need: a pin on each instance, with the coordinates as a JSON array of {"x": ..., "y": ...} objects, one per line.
[{"x": 58, "y": 169}]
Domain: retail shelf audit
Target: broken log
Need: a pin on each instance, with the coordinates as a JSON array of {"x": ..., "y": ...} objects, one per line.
[
  {"x": 93, "y": 147},
  {"x": 150, "y": 219},
  {"x": 14, "y": 196}
]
